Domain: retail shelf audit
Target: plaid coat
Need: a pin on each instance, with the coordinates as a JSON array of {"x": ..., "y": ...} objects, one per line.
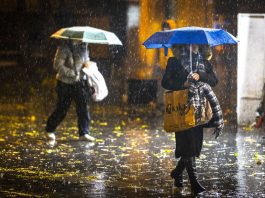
[{"x": 198, "y": 91}]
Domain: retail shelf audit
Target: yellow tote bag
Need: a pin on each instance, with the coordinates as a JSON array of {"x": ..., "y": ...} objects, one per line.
[{"x": 178, "y": 116}]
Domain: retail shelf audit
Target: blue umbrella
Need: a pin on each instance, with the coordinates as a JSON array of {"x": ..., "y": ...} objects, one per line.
[{"x": 189, "y": 35}]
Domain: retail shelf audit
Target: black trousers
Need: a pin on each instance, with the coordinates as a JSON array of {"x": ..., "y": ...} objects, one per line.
[{"x": 67, "y": 93}]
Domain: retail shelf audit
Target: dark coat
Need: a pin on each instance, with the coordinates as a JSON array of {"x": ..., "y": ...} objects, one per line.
[{"x": 188, "y": 142}]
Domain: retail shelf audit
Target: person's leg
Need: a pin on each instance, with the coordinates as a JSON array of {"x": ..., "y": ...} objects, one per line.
[
  {"x": 83, "y": 116},
  {"x": 63, "y": 103},
  {"x": 176, "y": 174},
  {"x": 196, "y": 187}
]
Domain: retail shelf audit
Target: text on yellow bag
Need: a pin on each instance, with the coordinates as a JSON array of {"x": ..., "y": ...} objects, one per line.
[{"x": 180, "y": 116}]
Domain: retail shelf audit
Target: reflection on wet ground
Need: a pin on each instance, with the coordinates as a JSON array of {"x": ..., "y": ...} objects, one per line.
[{"x": 132, "y": 156}]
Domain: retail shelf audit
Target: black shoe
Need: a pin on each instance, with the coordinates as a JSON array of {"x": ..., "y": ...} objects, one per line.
[
  {"x": 196, "y": 187},
  {"x": 178, "y": 180},
  {"x": 176, "y": 174}
]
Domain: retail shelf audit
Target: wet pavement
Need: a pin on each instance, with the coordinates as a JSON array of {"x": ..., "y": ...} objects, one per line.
[{"x": 132, "y": 156}]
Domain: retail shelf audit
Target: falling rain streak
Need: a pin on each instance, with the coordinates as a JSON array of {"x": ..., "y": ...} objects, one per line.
[{"x": 132, "y": 155}]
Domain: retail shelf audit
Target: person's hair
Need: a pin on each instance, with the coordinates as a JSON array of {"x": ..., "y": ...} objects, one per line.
[
  {"x": 177, "y": 50},
  {"x": 206, "y": 52}
]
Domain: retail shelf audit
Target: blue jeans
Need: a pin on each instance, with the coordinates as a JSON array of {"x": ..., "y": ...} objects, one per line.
[{"x": 66, "y": 94}]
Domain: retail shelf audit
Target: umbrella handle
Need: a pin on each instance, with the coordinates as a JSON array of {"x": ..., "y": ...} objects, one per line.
[{"x": 191, "y": 58}]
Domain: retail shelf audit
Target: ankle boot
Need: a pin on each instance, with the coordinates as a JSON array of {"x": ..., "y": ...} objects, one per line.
[
  {"x": 196, "y": 187},
  {"x": 176, "y": 174}
]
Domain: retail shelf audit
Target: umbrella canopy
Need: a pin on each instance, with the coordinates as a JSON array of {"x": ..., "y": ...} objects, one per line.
[
  {"x": 190, "y": 35},
  {"x": 87, "y": 34}
]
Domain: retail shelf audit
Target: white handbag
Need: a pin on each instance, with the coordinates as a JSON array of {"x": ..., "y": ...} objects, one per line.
[{"x": 97, "y": 81}]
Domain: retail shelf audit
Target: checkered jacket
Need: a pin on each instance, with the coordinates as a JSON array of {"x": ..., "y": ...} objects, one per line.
[{"x": 198, "y": 93}]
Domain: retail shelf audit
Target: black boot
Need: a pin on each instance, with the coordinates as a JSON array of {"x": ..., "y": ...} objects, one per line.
[
  {"x": 176, "y": 174},
  {"x": 196, "y": 187}
]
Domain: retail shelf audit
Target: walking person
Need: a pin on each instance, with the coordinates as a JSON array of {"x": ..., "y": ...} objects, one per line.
[
  {"x": 189, "y": 142},
  {"x": 72, "y": 85}
]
